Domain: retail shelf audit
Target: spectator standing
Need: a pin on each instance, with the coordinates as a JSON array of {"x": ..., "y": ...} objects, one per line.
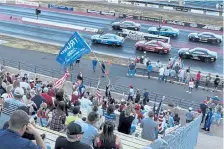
[
  {"x": 216, "y": 83},
  {"x": 176, "y": 119},
  {"x": 208, "y": 79},
  {"x": 166, "y": 74},
  {"x": 8, "y": 78},
  {"x": 74, "y": 134},
  {"x": 218, "y": 114},
  {"x": 103, "y": 69},
  {"x": 94, "y": 63},
  {"x": 125, "y": 119},
  {"x": 139, "y": 113},
  {"x": 137, "y": 97},
  {"x": 74, "y": 117},
  {"x": 149, "y": 128},
  {"x": 203, "y": 107},
  {"x": 131, "y": 70},
  {"x": 158, "y": 64},
  {"x": 190, "y": 85},
  {"x": 208, "y": 120},
  {"x": 48, "y": 98},
  {"x": 18, "y": 124},
  {"x": 109, "y": 114},
  {"x": 188, "y": 77},
  {"x": 170, "y": 120},
  {"x": 149, "y": 68},
  {"x": 172, "y": 75},
  {"x": 146, "y": 97},
  {"x": 131, "y": 93},
  {"x": 51, "y": 91},
  {"x": 86, "y": 103},
  {"x": 161, "y": 73},
  {"x": 189, "y": 115},
  {"x": 24, "y": 84},
  {"x": 107, "y": 139},
  {"x": 58, "y": 117},
  {"x": 38, "y": 99},
  {"x": 181, "y": 75},
  {"x": 89, "y": 130},
  {"x": 198, "y": 78}
]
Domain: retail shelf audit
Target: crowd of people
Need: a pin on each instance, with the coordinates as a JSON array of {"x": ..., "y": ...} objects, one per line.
[{"x": 88, "y": 121}]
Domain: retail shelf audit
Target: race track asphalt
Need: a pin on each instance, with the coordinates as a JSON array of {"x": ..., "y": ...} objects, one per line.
[
  {"x": 46, "y": 62},
  {"x": 128, "y": 49}
]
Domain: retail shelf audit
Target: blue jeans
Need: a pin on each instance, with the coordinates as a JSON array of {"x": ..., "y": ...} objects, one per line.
[
  {"x": 165, "y": 78},
  {"x": 161, "y": 78},
  {"x": 94, "y": 68},
  {"x": 131, "y": 73}
]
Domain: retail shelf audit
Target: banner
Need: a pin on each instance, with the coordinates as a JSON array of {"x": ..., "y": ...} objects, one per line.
[
  {"x": 20, "y": 2},
  {"x": 75, "y": 48},
  {"x": 60, "y": 7}
]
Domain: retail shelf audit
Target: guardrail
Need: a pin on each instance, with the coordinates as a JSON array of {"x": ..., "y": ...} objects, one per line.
[{"x": 155, "y": 97}]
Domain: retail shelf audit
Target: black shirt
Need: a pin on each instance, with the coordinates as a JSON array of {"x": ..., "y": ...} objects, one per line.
[
  {"x": 38, "y": 100},
  {"x": 63, "y": 143},
  {"x": 217, "y": 80},
  {"x": 125, "y": 123},
  {"x": 203, "y": 108}
]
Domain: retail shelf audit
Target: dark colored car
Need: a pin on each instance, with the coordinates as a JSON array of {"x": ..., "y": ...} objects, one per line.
[
  {"x": 201, "y": 54},
  {"x": 205, "y": 37},
  {"x": 126, "y": 25},
  {"x": 153, "y": 46}
]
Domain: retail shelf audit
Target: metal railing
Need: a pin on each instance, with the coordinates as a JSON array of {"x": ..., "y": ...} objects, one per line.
[{"x": 155, "y": 97}]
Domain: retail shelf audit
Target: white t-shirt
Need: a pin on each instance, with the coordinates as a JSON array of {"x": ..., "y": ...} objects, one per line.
[
  {"x": 131, "y": 92},
  {"x": 166, "y": 72},
  {"x": 191, "y": 84},
  {"x": 161, "y": 71},
  {"x": 24, "y": 84},
  {"x": 85, "y": 103}
]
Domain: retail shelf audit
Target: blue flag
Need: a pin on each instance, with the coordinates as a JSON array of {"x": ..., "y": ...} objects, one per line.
[{"x": 75, "y": 48}]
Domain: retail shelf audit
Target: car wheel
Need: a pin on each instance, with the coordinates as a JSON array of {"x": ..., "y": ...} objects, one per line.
[
  {"x": 214, "y": 42},
  {"x": 114, "y": 44},
  {"x": 207, "y": 60},
  {"x": 161, "y": 52},
  {"x": 218, "y": 41},
  {"x": 191, "y": 39},
  {"x": 139, "y": 48},
  {"x": 94, "y": 41},
  {"x": 183, "y": 56}
]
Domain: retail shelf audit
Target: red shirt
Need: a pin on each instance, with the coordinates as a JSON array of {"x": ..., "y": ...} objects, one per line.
[
  {"x": 198, "y": 77},
  {"x": 140, "y": 115},
  {"x": 48, "y": 99},
  {"x": 51, "y": 92},
  {"x": 74, "y": 98}
]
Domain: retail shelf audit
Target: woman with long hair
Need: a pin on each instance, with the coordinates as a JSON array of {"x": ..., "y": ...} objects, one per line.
[{"x": 107, "y": 139}]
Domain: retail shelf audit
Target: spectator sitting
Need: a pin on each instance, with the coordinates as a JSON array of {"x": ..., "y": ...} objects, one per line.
[
  {"x": 189, "y": 115},
  {"x": 48, "y": 98},
  {"x": 38, "y": 99},
  {"x": 149, "y": 128},
  {"x": 74, "y": 117},
  {"x": 107, "y": 139},
  {"x": 58, "y": 117},
  {"x": 30, "y": 104},
  {"x": 72, "y": 141},
  {"x": 18, "y": 124},
  {"x": 42, "y": 115},
  {"x": 109, "y": 114},
  {"x": 90, "y": 131},
  {"x": 125, "y": 119},
  {"x": 176, "y": 119}
]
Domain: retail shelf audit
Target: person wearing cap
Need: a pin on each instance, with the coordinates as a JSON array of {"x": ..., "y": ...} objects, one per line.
[
  {"x": 74, "y": 117},
  {"x": 38, "y": 99},
  {"x": 189, "y": 115},
  {"x": 48, "y": 98},
  {"x": 74, "y": 134},
  {"x": 149, "y": 127},
  {"x": 139, "y": 113},
  {"x": 203, "y": 107},
  {"x": 18, "y": 125}
]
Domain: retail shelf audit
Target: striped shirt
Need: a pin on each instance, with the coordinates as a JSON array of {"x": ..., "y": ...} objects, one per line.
[
  {"x": 111, "y": 116},
  {"x": 10, "y": 105}
]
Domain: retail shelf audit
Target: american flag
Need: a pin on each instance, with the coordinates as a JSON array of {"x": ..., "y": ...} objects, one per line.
[
  {"x": 9, "y": 108},
  {"x": 60, "y": 82},
  {"x": 160, "y": 121},
  {"x": 10, "y": 95},
  {"x": 98, "y": 93}
]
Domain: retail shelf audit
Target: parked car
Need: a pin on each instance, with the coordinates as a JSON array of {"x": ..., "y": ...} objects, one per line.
[
  {"x": 109, "y": 39},
  {"x": 153, "y": 46},
  {"x": 205, "y": 37},
  {"x": 201, "y": 54},
  {"x": 164, "y": 31},
  {"x": 126, "y": 25}
]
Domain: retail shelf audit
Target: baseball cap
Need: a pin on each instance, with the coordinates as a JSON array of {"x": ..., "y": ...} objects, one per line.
[
  {"x": 19, "y": 91},
  {"x": 74, "y": 129},
  {"x": 137, "y": 107}
]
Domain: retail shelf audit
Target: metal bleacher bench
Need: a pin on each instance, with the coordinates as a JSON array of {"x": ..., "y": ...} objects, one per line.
[{"x": 128, "y": 141}]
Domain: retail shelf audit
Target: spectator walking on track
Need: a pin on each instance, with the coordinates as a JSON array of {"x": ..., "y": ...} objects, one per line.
[
  {"x": 146, "y": 97},
  {"x": 203, "y": 107},
  {"x": 181, "y": 75},
  {"x": 94, "y": 63},
  {"x": 208, "y": 79},
  {"x": 172, "y": 75},
  {"x": 198, "y": 78},
  {"x": 137, "y": 97},
  {"x": 149, "y": 68},
  {"x": 190, "y": 86},
  {"x": 149, "y": 128},
  {"x": 166, "y": 74},
  {"x": 161, "y": 73},
  {"x": 131, "y": 93},
  {"x": 158, "y": 64},
  {"x": 189, "y": 115},
  {"x": 131, "y": 69}
]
